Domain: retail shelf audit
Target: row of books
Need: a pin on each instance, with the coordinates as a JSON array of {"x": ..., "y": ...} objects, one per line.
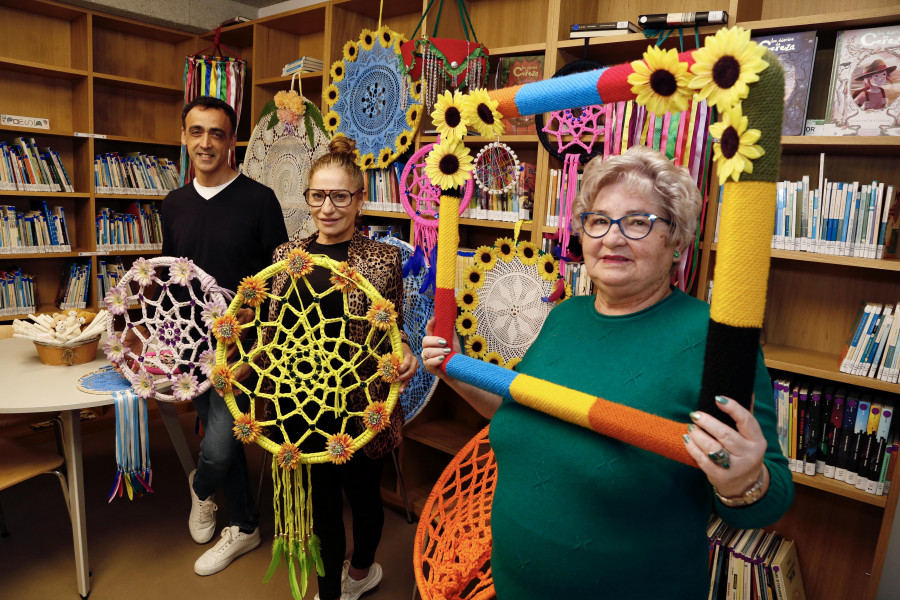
[
  {"x": 509, "y": 206},
  {"x": 304, "y": 64},
  {"x": 17, "y": 295},
  {"x": 73, "y": 285},
  {"x": 135, "y": 173},
  {"x": 26, "y": 168},
  {"x": 576, "y": 276},
  {"x": 41, "y": 229},
  {"x": 649, "y": 21},
  {"x": 139, "y": 228},
  {"x": 872, "y": 347},
  {"x": 384, "y": 188},
  {"x": 752, "y": 563},
  {"x": 556, "y": 194},
  {"x": 841, "y": 434},
  {"x": 109, "y": 273}
]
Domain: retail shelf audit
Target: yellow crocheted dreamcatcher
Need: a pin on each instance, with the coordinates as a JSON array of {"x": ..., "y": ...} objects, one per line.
[{"x": 314, "y": 383}]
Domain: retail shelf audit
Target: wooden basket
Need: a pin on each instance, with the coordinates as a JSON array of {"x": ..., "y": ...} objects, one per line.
[{"x": 50, "y": 354}]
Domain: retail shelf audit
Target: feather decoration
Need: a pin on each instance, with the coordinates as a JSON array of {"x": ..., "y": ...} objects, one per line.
[
  {"x": 117, "y": 482},
  {"x": 315, "y": 550},
  {"x": 277, "y": 551},
  {"x": 558, "y": 291},
  {"x": 415, "y": 263},
  {"x": 292, "y": 578}
]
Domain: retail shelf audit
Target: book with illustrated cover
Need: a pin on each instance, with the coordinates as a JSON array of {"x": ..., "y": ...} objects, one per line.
[
  {"x": 864, "y": 94},
  {"x": 516, "y": 70},
  {"x": 797, "y": 52}
]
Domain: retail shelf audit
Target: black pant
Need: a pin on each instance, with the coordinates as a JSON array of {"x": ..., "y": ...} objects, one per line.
[{"x": 360, "y": 478}]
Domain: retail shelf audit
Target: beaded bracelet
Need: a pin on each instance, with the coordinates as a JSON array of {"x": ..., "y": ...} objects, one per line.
[{"x": 753, "y": 493}]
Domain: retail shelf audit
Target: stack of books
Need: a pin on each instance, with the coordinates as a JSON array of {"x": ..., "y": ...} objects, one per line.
[
  {"x": 109, "y": 273},
  {"x": 304, "y": 64},
  {"x": 42, "y": 229},
  {"x": 871, "y": 350},
  {"x": 140, "y": 228},
  {"x": 17, "y": 295},
  {"x": 25, "y": 168},
  {"x": 591, "y": 30},
  {"x": 384, "y": 189},
  {"x": 135, "y": 173},
  {"x": 73, "y": 286}
]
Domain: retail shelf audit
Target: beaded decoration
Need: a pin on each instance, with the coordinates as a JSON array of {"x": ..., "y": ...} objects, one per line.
[
  {"x": 306, "y": 375},
  {"x": 496, "y": 168},
  {"x": 288, "y": 139},
  {"x": 176, "y": 298},
  {"x": 371, "y": 101}
]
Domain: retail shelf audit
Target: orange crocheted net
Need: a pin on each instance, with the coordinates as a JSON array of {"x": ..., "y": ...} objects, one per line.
[{"x": 452, "y": 551}]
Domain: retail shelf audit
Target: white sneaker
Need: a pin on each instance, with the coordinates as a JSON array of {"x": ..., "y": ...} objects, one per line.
[
  {"x": 202, "y": 521},
  {"x": 351, "y": 589},
  {"x": 233, "y": 544}
]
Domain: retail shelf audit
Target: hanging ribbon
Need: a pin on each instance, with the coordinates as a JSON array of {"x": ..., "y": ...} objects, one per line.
[{"x": 134, "y": 475}]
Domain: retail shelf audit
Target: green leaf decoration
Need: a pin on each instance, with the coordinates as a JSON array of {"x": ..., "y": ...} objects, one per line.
[
  {"x": 315, "y": 550},
  {"x": 273, "y": 121},
  {"x": 309, "y": 129},
  {"x": 277, "y": 551},
  {"x": 292, "y": 578},
  {"x": 312, "y": 109},
  {"x": 268, "y": 109}
]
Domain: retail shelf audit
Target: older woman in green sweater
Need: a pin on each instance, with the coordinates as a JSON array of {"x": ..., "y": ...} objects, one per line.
[{"x": 579, "y": 515}]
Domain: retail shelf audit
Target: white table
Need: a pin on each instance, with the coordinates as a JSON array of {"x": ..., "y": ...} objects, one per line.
[{"x": 31, "y": 386}]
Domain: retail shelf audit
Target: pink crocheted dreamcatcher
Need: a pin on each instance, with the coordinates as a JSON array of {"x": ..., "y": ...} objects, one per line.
[{"x": 422, "y": 201}]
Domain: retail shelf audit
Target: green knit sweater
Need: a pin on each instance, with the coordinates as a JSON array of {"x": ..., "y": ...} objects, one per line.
[{"x": 580, "y": 515}]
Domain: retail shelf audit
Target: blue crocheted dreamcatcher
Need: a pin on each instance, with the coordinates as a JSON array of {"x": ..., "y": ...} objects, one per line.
[
  {"x": 417, "y": 309},
  {"x": 371, "y": 101}
]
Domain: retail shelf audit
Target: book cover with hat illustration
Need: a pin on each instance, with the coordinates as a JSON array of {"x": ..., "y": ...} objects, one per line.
[{"x": 864, "y": 95}]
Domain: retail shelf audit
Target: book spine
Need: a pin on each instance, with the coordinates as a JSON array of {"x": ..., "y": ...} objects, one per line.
[{"x": 671, "y": 20}]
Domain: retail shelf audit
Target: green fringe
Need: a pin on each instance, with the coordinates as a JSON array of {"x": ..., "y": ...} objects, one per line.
[
  {"x": 277, "y": 552},
  {"x": 292, "y": 578},
  {"x": 300, "y": 555},
  {"x": 315, "y": 550}
]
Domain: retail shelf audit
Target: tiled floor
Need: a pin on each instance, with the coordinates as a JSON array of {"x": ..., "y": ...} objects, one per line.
[{"x": 141, "y": 549}]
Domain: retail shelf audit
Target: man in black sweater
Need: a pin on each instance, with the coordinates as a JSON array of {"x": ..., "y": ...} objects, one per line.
[{"x": 228, "y": 225}]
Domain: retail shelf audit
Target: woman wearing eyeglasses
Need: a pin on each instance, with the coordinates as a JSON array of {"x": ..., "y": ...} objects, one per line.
[
  {"x": 579, "y": 515},
  {"x": 335, "y": 196}
]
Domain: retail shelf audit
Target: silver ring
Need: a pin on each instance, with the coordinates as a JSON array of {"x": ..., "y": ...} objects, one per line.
[{"x": 721, "y": 457}]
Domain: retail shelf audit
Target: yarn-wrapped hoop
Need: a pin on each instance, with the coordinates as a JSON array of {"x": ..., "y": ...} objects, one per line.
[
  {"x": 496, "y": 168},
  {"x": 177, "y": 301},
  {"x": 571, "y": 127}
]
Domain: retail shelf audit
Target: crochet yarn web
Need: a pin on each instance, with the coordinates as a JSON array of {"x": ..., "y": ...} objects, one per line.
[
  {"x": 496, "y": 168},
  {"x": 307, "y": 365},
  {"x": 417, "y": 309},
  {"x": 575, "y": 130},
  {"x": 452, "y": 547},
  {"x": 280, "y": 158},
  {"x": 177, "y": 302}
]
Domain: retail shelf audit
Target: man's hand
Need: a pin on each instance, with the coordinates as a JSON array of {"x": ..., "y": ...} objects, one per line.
[{"x": 407, "y": 367}]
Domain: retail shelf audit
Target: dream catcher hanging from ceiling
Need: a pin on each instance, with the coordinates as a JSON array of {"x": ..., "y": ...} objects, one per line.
[
  {"x": 371, "y": 101},
  {"x": 445, "y": 62},
  {"x": 326, "y": 383},
  {"x": 288, "y": 139}
]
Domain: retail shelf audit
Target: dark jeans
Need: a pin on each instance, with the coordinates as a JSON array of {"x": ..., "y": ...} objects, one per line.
[
  {"x": 360, "y": 479},
  {"x": 222, "y": 462}
]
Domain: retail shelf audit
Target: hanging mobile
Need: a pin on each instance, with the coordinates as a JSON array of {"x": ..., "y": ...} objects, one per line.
[{"x": 496, "y": 168}]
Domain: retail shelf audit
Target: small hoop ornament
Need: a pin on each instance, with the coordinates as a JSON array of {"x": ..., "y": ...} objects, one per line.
[{"x": 496, "y": 168}]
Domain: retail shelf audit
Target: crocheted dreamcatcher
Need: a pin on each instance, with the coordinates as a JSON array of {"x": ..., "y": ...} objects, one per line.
[
  {"x": 289, "y": 137},
  {"x": 496, "y": 168},
  {"x": 505, "y": 300},
  {"x": 309, "y": 370},
  {"x": 372, "y": 102},
  {"x": 418, "y": 307},
  {"x": 577, "y": 130}
]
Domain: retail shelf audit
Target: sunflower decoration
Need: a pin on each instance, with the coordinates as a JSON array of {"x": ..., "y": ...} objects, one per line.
[
  {"x": 506, "y": 249},
  {"x": 288, "y": 457},
  {"x": 467, "y": 299},
  {"x": 485, "y": 257},
  {"x": 339, "y": 448},
  {"x": 547, "y": 267},
  {"x": 252, "y": 291},
  {"x": 511, "y": 363},
  {"x": 345, "y": 277},
  {"x": 299, "y": 263},
  {"x": 222, "y": 378},
  {"x": 728, "y": 61},
  {"x": 372, "y": 102},
  {"x": 447, "y": 115},
  {"x": 494, "y": 358},
  {"x": 226, "y": 329},
  {"x": 660, "y": 81},
  {"x": 736, "y": 147},
  {"x": 528, "y": 253},
  {"x": 376, "y": 417},
  {"x": 466, "y": 323},
  {"x": 474, "y": 277},
  {"x": 382, "y": 315},
  {"x": 449, "y": 164},
  {"x": 480, "y": 112},
  {"x": 476, "y": 346},
  {"x": 246, "y": 429},
  {"x": 389, "y": 367}
]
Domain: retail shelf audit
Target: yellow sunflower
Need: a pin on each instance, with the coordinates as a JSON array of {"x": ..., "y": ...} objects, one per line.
[
  {"x": 332, "y": 121},
  {"x": 386, "y": 36},
  {"x": 660, "y": 81},
  {"x": 382, "y": 314},
  {"x": 474, "y": 277},
  {"x": 447, "y": 115},
  {"x": 466, "y": 323},
  {"x": 528, "y": 253},
  {"x": 476, "y": 346},
  {"x": 403, "y": 141},
  {"x": 416, "y": 91},
  {"x": 337, "y": 71},
  {"x": 506, "y": 249},
  {"x": 480, "y": 112},
  {"x": 253, "y": 291},
  {"x": 351, "y": 51},
  {"x": 511, "y": 363},
  {"x": 494, "y": 358},
  {"x": 449, "y": 164},
  {"x": 736, "y": 147},
  {"x": 367, "y": 39},
  {"x": 385, "y": 158},
  {"x": 547, "y": 267},
  {"x": 467, "y": 299},
  {"x": 485, "y": 257},
  {"x": 725, "y": 65},
  {"x": 412, "y": 116},
  {"x": 366, "y": 161},
  {"x": 331, "y": 94},
  {"x": 568, "y": 293}
]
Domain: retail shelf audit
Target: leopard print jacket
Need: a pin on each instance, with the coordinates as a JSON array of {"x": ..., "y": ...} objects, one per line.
[{"x": 382, "y": 266}]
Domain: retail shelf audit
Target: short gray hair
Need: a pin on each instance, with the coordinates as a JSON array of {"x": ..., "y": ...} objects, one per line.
[{"x": 652, "y": 175}]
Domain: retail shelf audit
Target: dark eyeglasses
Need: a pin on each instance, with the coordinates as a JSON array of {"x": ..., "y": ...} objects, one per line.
[
  {"x": 634, "y": 226},
  {"x": 339, "y": 198}
]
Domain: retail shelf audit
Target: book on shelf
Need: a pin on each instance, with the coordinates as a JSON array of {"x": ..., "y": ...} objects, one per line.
[
  {"x": 796, "y": 52},
  {"x": 304, "y": 64},
  {"x": 138, "y": 228},
  {"x": 864, "y": 91},
  {"x": 40, "y": 229},
  {"x": 786, "y": 573},
  {"x": 74, "y": 284},
  {"x": 384, "y": 189},
  {"x": 871, "y": 349},
  {"x": 110, "y": 271},
  {"x": 26, "y": 168},
  {"x": 672, "y": 20},
  {"x": 17, "y": 292},
  {"x": 518, "y": 70},
  {"x": 134, "y": 173},
  {"x": 609, "y": 28},
  {"x": 235, "y": 21}
]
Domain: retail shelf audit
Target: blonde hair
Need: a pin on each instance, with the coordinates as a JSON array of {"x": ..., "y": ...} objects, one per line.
[
  {"x": 342, "y": 154},
  {"x": 650, "y": 174}
]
